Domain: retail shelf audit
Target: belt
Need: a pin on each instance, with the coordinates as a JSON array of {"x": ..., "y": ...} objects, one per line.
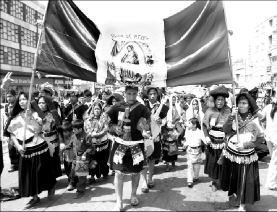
[
  {"x": 50, "y": 138},
  {"x": 217, "y": 134},
  {"x": 127, "y": 143},
  {"x": 196, "y": 147}
]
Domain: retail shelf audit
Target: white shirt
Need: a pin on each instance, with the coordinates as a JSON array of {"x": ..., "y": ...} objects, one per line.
[
  {"x": 271, "y": 124},
  {"x": 194, "y": 137}
]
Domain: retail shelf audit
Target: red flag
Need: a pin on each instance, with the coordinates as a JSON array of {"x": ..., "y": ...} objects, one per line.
[
  {"x": 197, "y": 45},
  {"x": 68, "y": 42}
]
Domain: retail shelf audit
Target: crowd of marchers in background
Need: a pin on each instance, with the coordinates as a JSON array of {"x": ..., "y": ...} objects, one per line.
[{"x": 113, "y": 134}]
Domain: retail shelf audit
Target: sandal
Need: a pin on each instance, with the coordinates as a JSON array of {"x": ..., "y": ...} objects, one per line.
[
  {"x": 150, "y": 184},
  {"x": 32, "y": 203},
  {"x": 145, "y": 190},
  {"x": 134, "y": 201}
]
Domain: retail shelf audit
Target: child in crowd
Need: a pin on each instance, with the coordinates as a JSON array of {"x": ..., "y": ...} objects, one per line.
[
  {"x": 66, "y": 149},
  {"x": 82, "y": 150},
  {"x": 193, "y": 143}
]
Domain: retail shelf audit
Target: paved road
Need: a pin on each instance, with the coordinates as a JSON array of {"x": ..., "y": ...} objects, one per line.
[{"x": 170, "y": 193}]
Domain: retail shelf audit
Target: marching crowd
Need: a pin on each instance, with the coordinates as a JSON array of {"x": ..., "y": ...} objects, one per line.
[{"x": 128, "y": 134}]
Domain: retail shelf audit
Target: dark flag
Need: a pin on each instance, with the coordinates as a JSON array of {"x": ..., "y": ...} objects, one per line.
[
  {"x": 68, "y": 42},
  {"x": 197, "y": 45}
]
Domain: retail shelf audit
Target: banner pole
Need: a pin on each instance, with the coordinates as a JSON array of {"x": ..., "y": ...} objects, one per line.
[
  {"x": 32, "y": 82},
  {"x": 231, "y": 67}
]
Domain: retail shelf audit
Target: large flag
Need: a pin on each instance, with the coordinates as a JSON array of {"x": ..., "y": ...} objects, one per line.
[
  {"x": 191, "y": 47},
  {"x": 68, "y": 42},
  {"x": 197, "y": 45}
]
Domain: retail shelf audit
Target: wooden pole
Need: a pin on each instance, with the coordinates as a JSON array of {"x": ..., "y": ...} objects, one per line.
[
  {"x": 32, "y": 83},
  {"x": 231, "y": 67}
]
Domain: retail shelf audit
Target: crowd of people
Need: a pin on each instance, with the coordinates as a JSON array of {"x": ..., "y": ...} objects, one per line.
[{"x": 94, "y": 136}]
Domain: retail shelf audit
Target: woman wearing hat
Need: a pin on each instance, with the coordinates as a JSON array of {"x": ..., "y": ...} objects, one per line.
[
  {"x": 96, "y": 127},
  {"x": 240, "y": 171},
  {"x": 213, "y": 121}
]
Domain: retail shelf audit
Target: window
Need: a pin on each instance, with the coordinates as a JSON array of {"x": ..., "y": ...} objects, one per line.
[
  {"x": 30, "y": 15},
  {"x": 28, "y": 37},
  {"x": 16, "y": 10},
  {"x": 274, "y": 59},
  {"x": 270, "y": 22},
  {"x": 4, "y": 6},
  {"x": 8, "y": 30},
  {"x": 270, "y": 40},
  {"x": 9, "y": 56},
  {"x": 27, "y": 59}
]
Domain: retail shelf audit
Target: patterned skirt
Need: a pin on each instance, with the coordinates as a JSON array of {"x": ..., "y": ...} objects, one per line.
[
  {"x": 170, "y": 151},
  {"x": 213, "y": 153},
  {"x": 127, "y": 166},
  {"x": 240, "y": 175},
  {"x": 101, "y": 157},
  {"x": 36, "y": 173}
]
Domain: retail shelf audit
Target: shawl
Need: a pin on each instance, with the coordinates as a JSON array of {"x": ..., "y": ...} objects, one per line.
[
  {"x": 17, "y": 124},
  {"x": 170, "y": 116},
  {"x": 221, "y": 115},
  {"x": 190, "y": 113}
]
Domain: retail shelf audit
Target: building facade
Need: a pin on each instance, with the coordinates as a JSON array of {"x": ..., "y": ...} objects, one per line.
[
  {"x": 19, "y": 33},
  {"x": 262, "y": 57}
]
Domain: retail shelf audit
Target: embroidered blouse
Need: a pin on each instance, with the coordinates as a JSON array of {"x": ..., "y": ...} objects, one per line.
[
  {"x": 248, "y": 130},
  {"x": 33, "y": 129}
]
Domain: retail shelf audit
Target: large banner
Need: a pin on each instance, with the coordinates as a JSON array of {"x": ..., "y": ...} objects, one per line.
[{"x": 132, "y": 53}]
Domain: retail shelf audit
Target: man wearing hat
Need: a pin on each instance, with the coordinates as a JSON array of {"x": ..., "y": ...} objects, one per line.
[
  {"x": 13, "y": 153},
  {"x": 128, "y": 127}
]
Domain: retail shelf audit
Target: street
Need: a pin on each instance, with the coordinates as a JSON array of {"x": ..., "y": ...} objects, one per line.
[{"x": 170, "y": 193}]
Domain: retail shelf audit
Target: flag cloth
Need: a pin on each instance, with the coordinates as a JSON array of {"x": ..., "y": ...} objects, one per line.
[
  {"x": 68, "y": 42},
  {"x": 132, "y": 52},
  {"x": 197, "y": 45}
]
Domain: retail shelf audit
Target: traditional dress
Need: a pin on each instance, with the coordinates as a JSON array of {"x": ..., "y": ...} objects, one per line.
[
  {"x": 170, "y": 133},
  {"x": 101, "y": 143},
  {"x": 212, "y": 127},
  {"x": 50, "y": 134},
  {"x": 82, "y": 154},
  {"x": 127, "y": 156},
  {"x": 162, "y": 109},
  {"x": 240, "y": 171},
  {"x": 36, "y": 173}
]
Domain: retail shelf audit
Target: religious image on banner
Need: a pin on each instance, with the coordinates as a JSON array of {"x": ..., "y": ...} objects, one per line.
[{"x": 128, "y": 55}]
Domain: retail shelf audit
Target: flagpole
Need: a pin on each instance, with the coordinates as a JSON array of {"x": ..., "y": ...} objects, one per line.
[
  {"x": 231, "y": 67},
  {"x": 32, "y": 81}
]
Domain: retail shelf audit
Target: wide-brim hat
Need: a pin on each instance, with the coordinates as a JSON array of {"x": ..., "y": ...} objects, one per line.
[
  {"x": 47, "y": 90},
  {"x": 220, "y": 91},
  {"x": 189, "y": 95},
  {"x": 252, "y": 103},
  {"x": 117, "y": 97}
]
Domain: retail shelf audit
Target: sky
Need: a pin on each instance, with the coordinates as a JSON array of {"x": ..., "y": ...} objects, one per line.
[{"x": 242, "y": 16}]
